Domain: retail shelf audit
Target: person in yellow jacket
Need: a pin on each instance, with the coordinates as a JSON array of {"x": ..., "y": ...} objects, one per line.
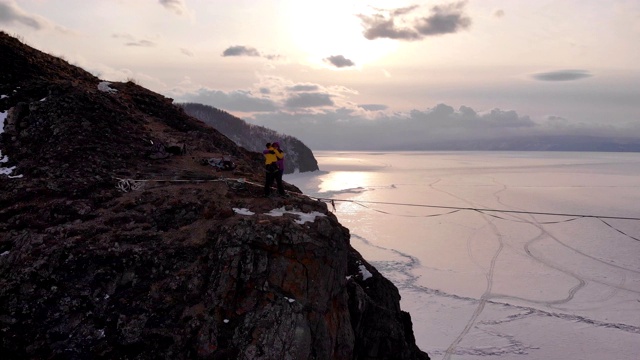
[{"x": 271, "y": 157}]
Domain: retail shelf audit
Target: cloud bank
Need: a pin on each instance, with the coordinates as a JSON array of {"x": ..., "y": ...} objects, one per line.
[
  {"x": 324, "y": 118},
  {"x": 308, "y": 100},
  {"x": 244, "y": 101},
  {"x": 562, "y": 75}
]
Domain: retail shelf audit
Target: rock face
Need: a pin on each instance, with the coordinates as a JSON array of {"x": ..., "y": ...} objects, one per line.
[
  {"x": 108, "y": 252},
  {"x": 299, "y": 157}
]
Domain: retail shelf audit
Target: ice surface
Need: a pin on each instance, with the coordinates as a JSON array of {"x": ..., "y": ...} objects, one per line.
[{"x": 483, "y": 284}]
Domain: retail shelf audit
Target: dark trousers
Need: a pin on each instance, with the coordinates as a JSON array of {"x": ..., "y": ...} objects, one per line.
[{"x": 271, "y": 176}]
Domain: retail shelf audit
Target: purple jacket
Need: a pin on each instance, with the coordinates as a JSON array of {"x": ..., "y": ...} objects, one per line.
[{"x": 279, "y": 155}]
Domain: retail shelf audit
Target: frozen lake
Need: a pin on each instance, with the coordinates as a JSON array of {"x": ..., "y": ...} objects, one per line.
[{"x": 483, "y": 284}]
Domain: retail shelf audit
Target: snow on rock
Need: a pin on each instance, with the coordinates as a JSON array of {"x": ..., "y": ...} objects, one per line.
[
  {"x": 4, "y": 159},
  {"x": 6, "y": 171},
  {"x": 364, "y": 272},
  {"x": 104, "y": 86},
  {"x": 243, "y": 211},
  {"x": 303, "y": 217},
  {"x": 3, "y": 116}
]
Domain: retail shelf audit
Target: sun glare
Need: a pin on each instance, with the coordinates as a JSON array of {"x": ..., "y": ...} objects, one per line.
[
  {"x": 345, "y": 181},
  {"x": 332, "y": 28}
]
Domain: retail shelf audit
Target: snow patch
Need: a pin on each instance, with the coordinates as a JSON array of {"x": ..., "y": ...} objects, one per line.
[
  {"x": 365, "y": 273},
  {"x": 3, "y": 96},
  {"x": 4, "y": 253},
  {"x": 8, "y": 171},
  {"x": 4, "y": 159},
  {"x": 104, "y": 86},
  {"x": 226, "y": 321},
  {"x": 289, "y": 299},
  {"x": 243, "y": 211},
  {"x": 3, "y": 116},
  {"x": 303, "y": 217}
]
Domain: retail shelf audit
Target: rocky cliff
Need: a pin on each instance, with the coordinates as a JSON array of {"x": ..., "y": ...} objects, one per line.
[
  {"x": 254, "y": 137},
  {"x": 109, "y": 251}
]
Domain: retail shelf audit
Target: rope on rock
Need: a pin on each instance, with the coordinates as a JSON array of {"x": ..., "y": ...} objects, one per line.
[{"x": 126, "y": 185}]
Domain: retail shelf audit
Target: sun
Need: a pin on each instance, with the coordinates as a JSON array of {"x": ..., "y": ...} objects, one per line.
[{"x": 321, "y": 29}]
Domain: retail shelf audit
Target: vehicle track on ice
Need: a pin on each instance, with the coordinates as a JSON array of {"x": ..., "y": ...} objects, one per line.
[
  {"x": 545, "y": 234},
  {"x": 489, "y": 273}
]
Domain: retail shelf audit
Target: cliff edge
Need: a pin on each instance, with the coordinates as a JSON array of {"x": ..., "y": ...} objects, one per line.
[{"x": 110, "y": 251}]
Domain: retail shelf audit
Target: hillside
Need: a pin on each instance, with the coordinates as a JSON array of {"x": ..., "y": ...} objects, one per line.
[
  {"x": 299, "y": 157},
  {"x": 112, "y": 248}
]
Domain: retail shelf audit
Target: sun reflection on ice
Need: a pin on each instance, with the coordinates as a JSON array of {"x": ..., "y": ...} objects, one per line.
[{"x": 345, "y": 181}]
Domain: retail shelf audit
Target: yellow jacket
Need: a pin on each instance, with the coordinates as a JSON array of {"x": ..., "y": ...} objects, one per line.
[{"x": 270, "y": 155}]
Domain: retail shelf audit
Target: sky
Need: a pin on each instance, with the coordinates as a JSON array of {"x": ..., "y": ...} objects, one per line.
[{"x": 345, "y": 73}]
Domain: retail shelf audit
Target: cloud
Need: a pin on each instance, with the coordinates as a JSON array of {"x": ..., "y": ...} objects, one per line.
[
  {"x": 240, "y": 51},
  {"x": 557, "y": 122},
  {"x": 399, "y": 25},
  {"x": 339, "y": 61},
  {"x": 177, "y": 6},
  {"x": 324, "y": 118},
  {"x": 304, "y": 87},
  {"x": 186, "y": 52},
  {"x": 132, "y": 41},
  {"x": 308, "y": 99},
  {"x": 446, "y": 19},
  {"x": 240, "y": 100},
  {"x": 404, "y": 10},
  {"x": 373, "y": 107},
  {"x": 125, "y": 36},
  {"x": 562, "y": 75},
  {"x": 11, "y": 13},
  {"x": 141, "y": 43},
  {"x": 378, "y": 26},
  {"x": 271, "y": 57},
  {"x": 439, "y": 127}
]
